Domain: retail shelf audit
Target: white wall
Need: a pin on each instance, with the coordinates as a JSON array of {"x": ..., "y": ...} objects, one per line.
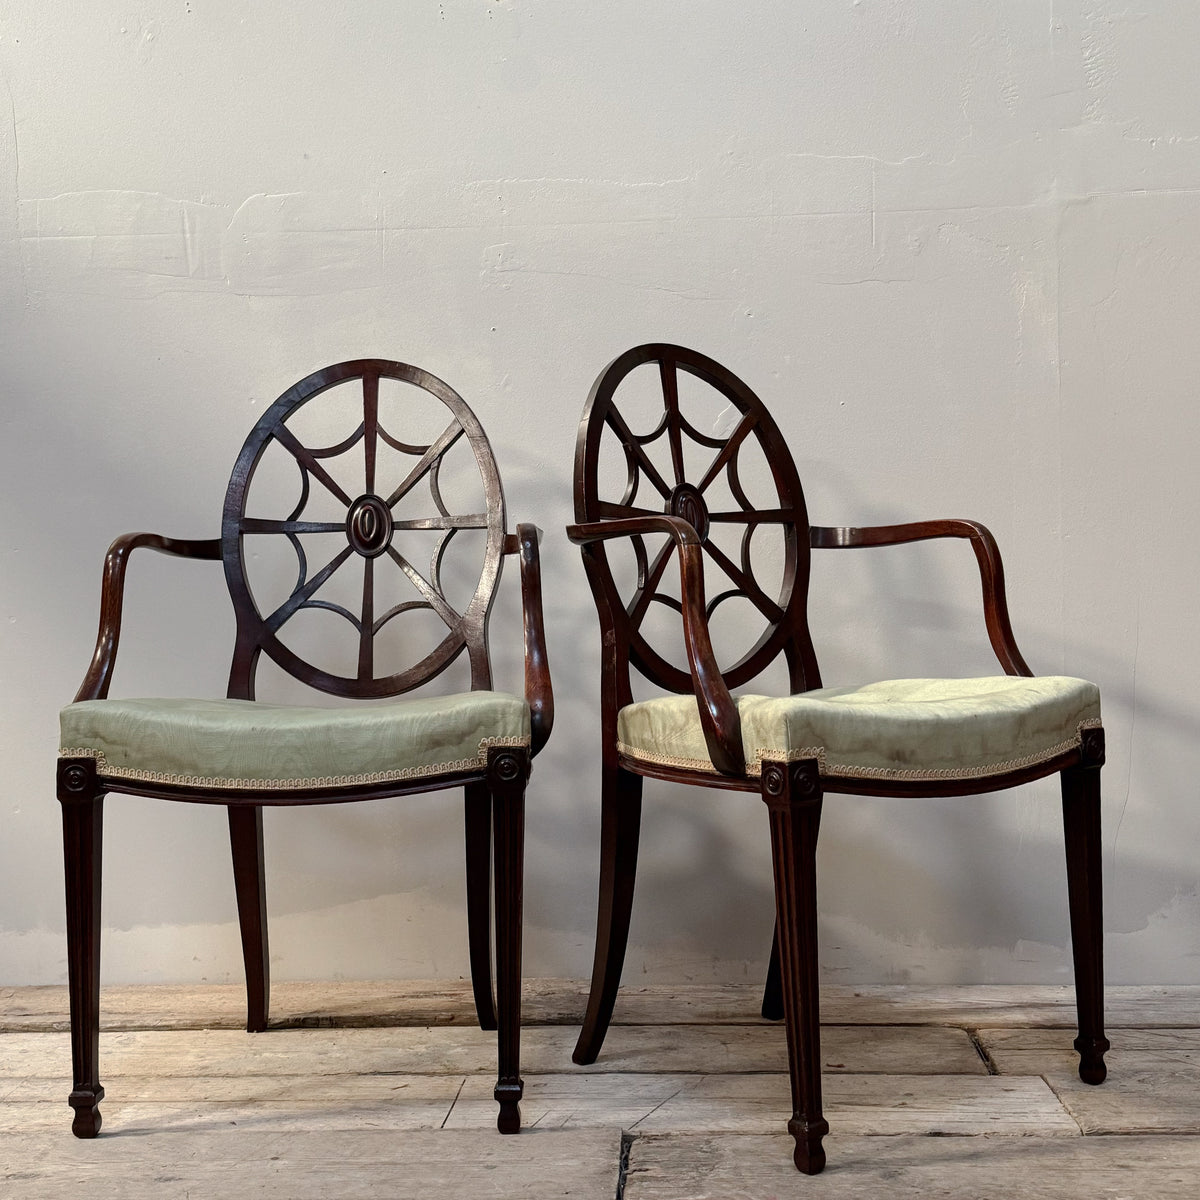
[{"x": 954, "y": 247}]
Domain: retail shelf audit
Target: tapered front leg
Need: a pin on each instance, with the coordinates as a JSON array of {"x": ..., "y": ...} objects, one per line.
[
  {"x": 477, "y": 815},
  {"x": 1081, "y": 825},
  {"x": 508, "y": 771},
  {"x": 249, "y": 881},
  {"x": 83, "y": 826},
  {"x": 792, "y": 792},
  {"x": 620, "y": 826}
]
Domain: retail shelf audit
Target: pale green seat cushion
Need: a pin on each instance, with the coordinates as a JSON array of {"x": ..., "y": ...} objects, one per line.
[
  {"x": 245, "y": 743},
  {"x": 903, "y": 729}
]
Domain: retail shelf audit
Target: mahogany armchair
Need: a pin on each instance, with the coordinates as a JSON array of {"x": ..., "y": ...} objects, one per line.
[
  {"x": 370, "y": 510},
  {"x": 933, "y": 737}
]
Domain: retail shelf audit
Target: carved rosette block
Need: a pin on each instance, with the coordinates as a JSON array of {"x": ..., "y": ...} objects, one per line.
[
  {"x": 1091, "y": 747},
  {"x": 77, "y": 782},
  {"x": 508, "y": 767}
]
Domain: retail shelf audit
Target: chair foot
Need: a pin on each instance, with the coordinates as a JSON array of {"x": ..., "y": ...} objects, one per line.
[
  {"x": 809, "y": 1155},
  {"x": 86, "y": 1104},
  {"x": 508, "y": 1096},
  {"x": 1091, "y": 1059}
]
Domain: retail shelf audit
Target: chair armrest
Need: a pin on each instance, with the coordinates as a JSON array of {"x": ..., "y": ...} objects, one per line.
[
  {"x": 987, "y": 553},
  {"x": 538, "y": 692},
  {"x": 718, "y": 712},
  {"x": 112, "y": 594}
]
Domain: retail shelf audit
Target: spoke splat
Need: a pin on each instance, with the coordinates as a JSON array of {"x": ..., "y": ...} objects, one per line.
[
  {"x": 727, "y": 452},
  {"x": 366, "y": 631},
  {"x": 633, "y": 447},
  {"x": 670, "y": 386},
  {"x": 298, "y": 598},
  {"x": 648, "y": 585},
  {"x": 745, "y": 583},
  {"x": 466, "y": 521},
  {"x": 287, "y": 439},
  {"x": 432, "y": 595},
  {"x": 370, "y": 426},
  {"x": 427, "y": 461},
  {"x": 608, "y": 510},
  {"x": 756, "y": 516},
  {"x": 364, "y": 483},
  {"x": 258, "y": 525}
]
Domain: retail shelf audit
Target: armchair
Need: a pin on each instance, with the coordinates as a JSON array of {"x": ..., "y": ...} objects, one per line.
[
  {"x": 361, "y": 513},
  {"x": 908, "y": 737}
]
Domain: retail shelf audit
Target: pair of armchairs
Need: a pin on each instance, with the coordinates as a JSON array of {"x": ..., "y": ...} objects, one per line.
[{"x": 360, "y": 516}]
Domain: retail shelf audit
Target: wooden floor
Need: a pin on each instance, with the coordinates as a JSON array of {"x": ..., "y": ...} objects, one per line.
[{"x": 946, "y": 1092}]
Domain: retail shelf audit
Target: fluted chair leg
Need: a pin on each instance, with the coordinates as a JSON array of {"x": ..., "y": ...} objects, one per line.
[
  {"x": 620, "y": 828},
  {"x": 249, "y": 881},
  {"x": 793, "y": 796},
  {"x": 508, "y": 771},
  {"x": 1081, "y": 824},
  {"x": 477, "y": 811},
  {"x": 83, "y": 826}
]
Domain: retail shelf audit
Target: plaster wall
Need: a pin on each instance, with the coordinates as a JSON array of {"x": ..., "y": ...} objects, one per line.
[{"x": 952, "y": 245}]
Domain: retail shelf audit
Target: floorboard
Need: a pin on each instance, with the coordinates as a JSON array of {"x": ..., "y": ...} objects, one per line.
[
  {"x": 947, "y": 1092},
  {"x": 346, "y": 1164},
  {"x": 914, "y": 1050},
  {"x": 562, "y": 1001},
  {"x": 726, "y": 1167}
]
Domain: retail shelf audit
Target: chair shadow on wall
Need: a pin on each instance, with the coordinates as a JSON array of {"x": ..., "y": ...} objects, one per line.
[{"x": 692, "y": 899}]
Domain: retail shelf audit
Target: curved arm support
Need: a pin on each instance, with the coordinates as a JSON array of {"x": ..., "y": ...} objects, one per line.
[
  {"x": 718, "y": 712},
  {"x": 987, "y": 553},
  {"x": 538, "y": 692},
  {"x": 112, "y": 594}
]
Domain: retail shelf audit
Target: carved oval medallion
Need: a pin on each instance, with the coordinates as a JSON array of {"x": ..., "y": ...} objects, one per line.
[
  {"x": 688, "y": 503},
  {"x": 369, "y": 526}
]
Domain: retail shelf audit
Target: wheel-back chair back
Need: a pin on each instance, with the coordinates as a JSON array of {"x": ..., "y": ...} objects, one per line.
[
  {"x": 660, "y": 473},
  {"x": 372, "y": 536}
]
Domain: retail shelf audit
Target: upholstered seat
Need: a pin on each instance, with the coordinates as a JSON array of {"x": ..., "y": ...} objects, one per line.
[
  {"x": 909, "y": 729},
  {"x": 248, "y": 744}
]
